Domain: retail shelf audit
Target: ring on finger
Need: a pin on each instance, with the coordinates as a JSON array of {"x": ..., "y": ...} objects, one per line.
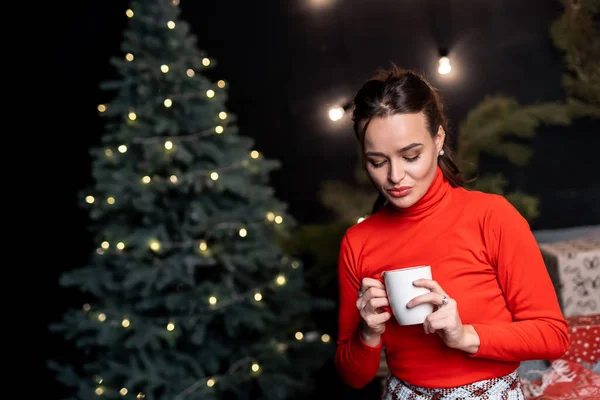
[{"x": 445, "y": 300}]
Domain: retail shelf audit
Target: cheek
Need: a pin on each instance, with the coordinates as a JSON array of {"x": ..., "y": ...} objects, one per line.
[
  {"x": 377, "y": 176},
  {"x": 422, "y": 168}
]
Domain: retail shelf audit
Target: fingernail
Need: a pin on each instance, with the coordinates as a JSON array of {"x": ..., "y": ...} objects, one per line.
[{"x": 409, "y": 304}]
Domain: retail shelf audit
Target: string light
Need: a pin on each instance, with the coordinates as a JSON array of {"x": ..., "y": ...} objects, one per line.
[
  {"x": 122, "y": 149},
  {"x": 101, "y": 108},
  {"x": 132, "y": 116},
  {"x": 164, "y": 68},
  {"x": 190, "y": 72},
  {"x": 221, "y": 84},
  {"x": 129, "y": 57},
  {"x": 257, "y": 296},
  {"x": 171, "y": 25},
  {"x": 210, "y": 93},
  {"x": 205, "y": 62},
  {"x": 154, "y": 245},
  {"x": 212, "y": 300},
  {"x": 129, "y": 13},
  {"x": 89, "y": 199}
]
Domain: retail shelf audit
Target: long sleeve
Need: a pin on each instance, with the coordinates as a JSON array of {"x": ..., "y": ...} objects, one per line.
[
  {"x": 356, "y": 362},
  {"x": 539, "y": 330}
]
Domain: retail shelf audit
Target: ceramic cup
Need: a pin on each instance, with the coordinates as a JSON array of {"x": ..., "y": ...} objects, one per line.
[{"x": 400, "y": 290}]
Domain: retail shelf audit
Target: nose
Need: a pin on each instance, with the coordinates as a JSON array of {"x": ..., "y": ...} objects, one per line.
[{"x": 396, "y": 172}]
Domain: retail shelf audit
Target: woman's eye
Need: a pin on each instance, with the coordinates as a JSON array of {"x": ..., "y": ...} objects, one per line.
[
  {"x": 412, "y": 159},
  {"x": 377, "y": 164}
]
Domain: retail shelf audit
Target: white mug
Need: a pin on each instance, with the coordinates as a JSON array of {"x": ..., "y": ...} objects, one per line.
[{"x": 400, "y": 290}]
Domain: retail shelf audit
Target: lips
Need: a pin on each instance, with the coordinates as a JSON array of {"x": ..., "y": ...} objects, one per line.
[{"x": 400, "y": 191}]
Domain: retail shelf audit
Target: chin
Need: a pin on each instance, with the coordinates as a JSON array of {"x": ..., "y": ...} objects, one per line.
[{"x": 403, "y": 202}]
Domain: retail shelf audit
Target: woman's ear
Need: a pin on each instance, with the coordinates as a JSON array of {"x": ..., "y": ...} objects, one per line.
[{"x": 439, "y": 139}]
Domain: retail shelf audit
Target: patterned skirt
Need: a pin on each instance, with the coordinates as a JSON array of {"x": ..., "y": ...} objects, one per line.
[{"x": 507, "y": 387}]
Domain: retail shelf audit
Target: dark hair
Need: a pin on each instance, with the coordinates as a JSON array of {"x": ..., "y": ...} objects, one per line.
[{"x": 401, "y": 91}]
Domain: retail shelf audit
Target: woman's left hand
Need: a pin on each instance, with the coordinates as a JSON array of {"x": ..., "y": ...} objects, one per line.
[{"x": 445, "y": 321}]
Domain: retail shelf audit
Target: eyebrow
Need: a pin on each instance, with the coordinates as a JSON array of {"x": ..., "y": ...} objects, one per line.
[{"x": 402, "y": 150}]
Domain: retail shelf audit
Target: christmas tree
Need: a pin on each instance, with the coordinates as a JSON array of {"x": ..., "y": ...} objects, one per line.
[{"x": 188, "y": 294}]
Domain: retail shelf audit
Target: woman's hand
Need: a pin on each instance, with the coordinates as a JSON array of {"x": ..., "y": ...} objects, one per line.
[
  {"x": 371, "y": 298},
  {"x": 445, "y": 321}
]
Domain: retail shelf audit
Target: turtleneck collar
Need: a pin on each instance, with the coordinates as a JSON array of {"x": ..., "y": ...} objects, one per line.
[{"x": 436, "y": 192}]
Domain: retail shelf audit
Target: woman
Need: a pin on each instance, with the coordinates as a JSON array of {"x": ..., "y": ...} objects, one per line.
[{"x": 494, "y": 303}]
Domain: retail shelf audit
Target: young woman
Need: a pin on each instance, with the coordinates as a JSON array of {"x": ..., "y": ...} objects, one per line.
[{"x": 494, "y": 301}]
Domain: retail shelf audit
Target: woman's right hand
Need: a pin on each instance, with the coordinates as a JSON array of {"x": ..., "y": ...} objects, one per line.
[{"x": 372, "y": 297}]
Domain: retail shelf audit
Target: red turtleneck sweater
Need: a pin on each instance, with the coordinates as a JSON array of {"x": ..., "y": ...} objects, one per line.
[{"x": 483, "y": 254}]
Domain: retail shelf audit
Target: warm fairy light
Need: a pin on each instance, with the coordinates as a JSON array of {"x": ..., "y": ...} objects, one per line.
[
  {"x": 168, "y": 145},
  {"x": 210, "y": 93},
  {"x": 132, "y": 116},
  {"x": 146, "y": 179},
  {"x": 122, "y": 149},
  {"x": 125, "y": 323},
  {"x": 295, "y": 264},
  {"x": 110, "y": 200},
  {"x": 99, "y": 251},
  {"x": 210, "y": 382},
  {"x": 205, "y": 62},
  {"x": 171, "y": 25},
  {"x": 203, "y": 246},
  {"x": 444, "y": 66},
  {"x": 89, "y": 199},
  {"x": 154, "y": 245},
  {"x": 214, "y": 176},
  {"x": 271, "y": 216},
  {"x": 168, "y": 103},
  {"x": 212, "y": 300},
  {"x": 170, "y": 326},
  {"x": 120, "y": 245},
  {"x": 141, "y": 395},
  {"x": 86, "y": 307},
  {"x": 221, "y": 84},
  {"x": 175, "y": 2},
  {"x": 299, "y": 335},
  {"x": 108, "y": 152},
  {"x": 101, "y": 317},
  {"x": 243, "y": 232},
  {"x": 336, "y": 113},
  {"x": 99, "y": 391},
  {"x": 105, "y": 245},
  {"x": 129, "y": 13},
  {"x": 129, "y": 57},
  {"x": 254, "y": 154},
  {"x": 325, "y": 338},
  {"x": 164, "y": 68},
  {"x": 278, "y": 219},
  {"x": 281, "y": 347},
  {"x": 101, "y": 107},
  {"x": 123, "y": 391},
  {"x": 257, "y": 296},
  {"x": 219, "y": 129},
  {"x": 280, "y": 280},
  {"x": 255, "y": 367},
  {"x": 190, "y": 72},
  {"x": 223, "y": 115},
  {"x": 173, "y": 179}
]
